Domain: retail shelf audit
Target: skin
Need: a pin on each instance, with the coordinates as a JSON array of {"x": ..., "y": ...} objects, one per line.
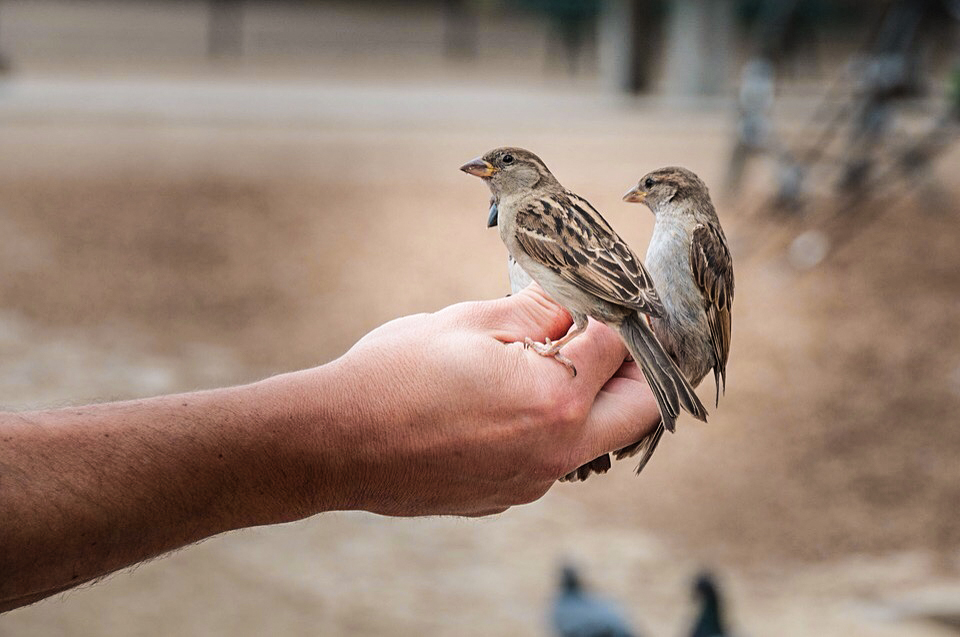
[{"x": 442, "y": 413}]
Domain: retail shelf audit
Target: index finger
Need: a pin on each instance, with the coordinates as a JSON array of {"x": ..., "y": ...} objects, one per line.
[
  {"x": 597, "y": 354},
  {"x": 624, "y": 412},
  {"x": 529, "y": 313}
]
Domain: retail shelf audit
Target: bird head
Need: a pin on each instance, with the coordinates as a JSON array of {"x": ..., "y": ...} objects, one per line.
[
  {"x": 672, "y": 185},
  {"x": 705, "y": 587},
  {"x": 508, "y": 171},
  {"x": 570, "y": 580}
]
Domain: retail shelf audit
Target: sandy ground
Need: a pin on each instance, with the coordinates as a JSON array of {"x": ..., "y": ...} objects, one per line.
[{"x": 179, "y": 234}]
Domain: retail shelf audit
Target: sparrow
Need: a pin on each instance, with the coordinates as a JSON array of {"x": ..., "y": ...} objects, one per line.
[
  {"x": 567, "y": 247},
  {"x": 690, "y": 263},
  {"x": 709, "y": 621},
  {"x": 577, "y": 612}
]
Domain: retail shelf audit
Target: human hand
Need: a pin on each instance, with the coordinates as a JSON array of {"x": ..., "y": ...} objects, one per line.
[
  {"x": 448, "y": 413},
  {"x": 442, "y": 413}
]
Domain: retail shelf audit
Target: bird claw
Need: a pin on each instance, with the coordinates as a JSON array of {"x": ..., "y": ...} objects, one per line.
[
  {"x": 540, "y": 348},
  {"x": 547, "y": 349}
]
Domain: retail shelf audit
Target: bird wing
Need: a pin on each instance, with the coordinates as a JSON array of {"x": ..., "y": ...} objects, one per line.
[
  {"x": 566, "y": 234},
  {"x": 713, "y": 274}
]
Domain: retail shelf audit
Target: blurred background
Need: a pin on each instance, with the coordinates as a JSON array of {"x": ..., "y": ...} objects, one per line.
[{"x": 195, "y": 193}]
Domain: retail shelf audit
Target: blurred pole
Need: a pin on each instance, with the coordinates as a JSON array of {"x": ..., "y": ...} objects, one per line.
[
  {"x": 628, "y": 32},
  {"x": 225, "y": 28},
  {"x": 459, "y": 30},
  {"x": 572, "y": 22},
  {"x": 4, "y": 62},
  {"x": 698, "y": 49}
]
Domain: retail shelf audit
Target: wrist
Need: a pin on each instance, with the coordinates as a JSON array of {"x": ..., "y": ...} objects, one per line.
[{"x": 312, "y": 442}]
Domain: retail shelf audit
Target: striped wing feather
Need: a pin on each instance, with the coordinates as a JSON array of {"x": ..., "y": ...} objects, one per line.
[
  {"x": 566, "y": 234},
  {"x": 713, "y": 273}
]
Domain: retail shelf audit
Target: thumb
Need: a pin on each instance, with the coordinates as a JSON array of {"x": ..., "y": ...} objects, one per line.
[{"x": 528, "y": 313}]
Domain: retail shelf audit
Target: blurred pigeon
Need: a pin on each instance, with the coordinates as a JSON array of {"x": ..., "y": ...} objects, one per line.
[
  {"x": 577, "y": 613},
  {"x": 709, "y": 621}
]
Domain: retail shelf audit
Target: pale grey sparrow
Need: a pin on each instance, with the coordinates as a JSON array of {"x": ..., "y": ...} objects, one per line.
[{"x": 690, "y": 263}]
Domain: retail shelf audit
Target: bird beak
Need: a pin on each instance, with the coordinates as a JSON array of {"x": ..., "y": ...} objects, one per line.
[
  {"x": 635, "y": 195},
  {"x": 479, "y": 168}
]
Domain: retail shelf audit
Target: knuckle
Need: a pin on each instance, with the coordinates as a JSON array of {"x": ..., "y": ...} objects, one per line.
[
  {"x": 469, "y": 314},
  {"x": 568, "y": 409},
  {"x": 541, "y": 401}
]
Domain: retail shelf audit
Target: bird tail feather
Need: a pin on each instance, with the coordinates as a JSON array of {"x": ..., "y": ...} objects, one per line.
[
  {"x": 597, "y": 465},
  {"x": 670, "y": 387},
  {"x": 647, "y": 445}
]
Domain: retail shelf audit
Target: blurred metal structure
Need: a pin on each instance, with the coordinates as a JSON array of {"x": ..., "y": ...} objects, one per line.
[
  {"x": 754, "y": 125},
  {"x": 852, "y": 142},
  {"x": 757, "y": 88}
]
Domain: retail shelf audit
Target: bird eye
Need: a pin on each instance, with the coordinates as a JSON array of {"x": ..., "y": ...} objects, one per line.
[
  {"x": 648, "y": 184},
  {"x": 507, "y": 159}
]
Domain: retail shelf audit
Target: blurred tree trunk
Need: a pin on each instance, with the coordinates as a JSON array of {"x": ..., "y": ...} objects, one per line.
[
  {"x": 628, "y": 34},
  {"x": 225, "y": 28},
  {"x": 698, "y": 50},
  {"x": 459, "y": 29},
  {"x": 4, "y": 62}
]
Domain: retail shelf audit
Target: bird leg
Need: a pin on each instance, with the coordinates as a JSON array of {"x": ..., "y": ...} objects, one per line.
[{"x": 550, "y": 348}]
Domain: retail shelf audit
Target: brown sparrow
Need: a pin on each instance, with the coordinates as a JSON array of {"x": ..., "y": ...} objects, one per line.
[{"x": 563, "y": 243}]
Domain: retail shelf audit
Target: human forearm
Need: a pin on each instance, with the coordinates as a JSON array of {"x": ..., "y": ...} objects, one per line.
[
  {"x": 443, "y": 413},
  {"x": 88, "y": 490}
]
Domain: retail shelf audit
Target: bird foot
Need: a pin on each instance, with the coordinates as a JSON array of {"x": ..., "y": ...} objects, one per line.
[{"x": 547, "y": 348}]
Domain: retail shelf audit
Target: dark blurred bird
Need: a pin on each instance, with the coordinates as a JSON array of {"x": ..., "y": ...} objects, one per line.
[
  {"x": 709, "y": 622},
  {"x": 564, "y": 244},
  {"x": 690, "y": 263},
  {"x": 577, "y": 613}
]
